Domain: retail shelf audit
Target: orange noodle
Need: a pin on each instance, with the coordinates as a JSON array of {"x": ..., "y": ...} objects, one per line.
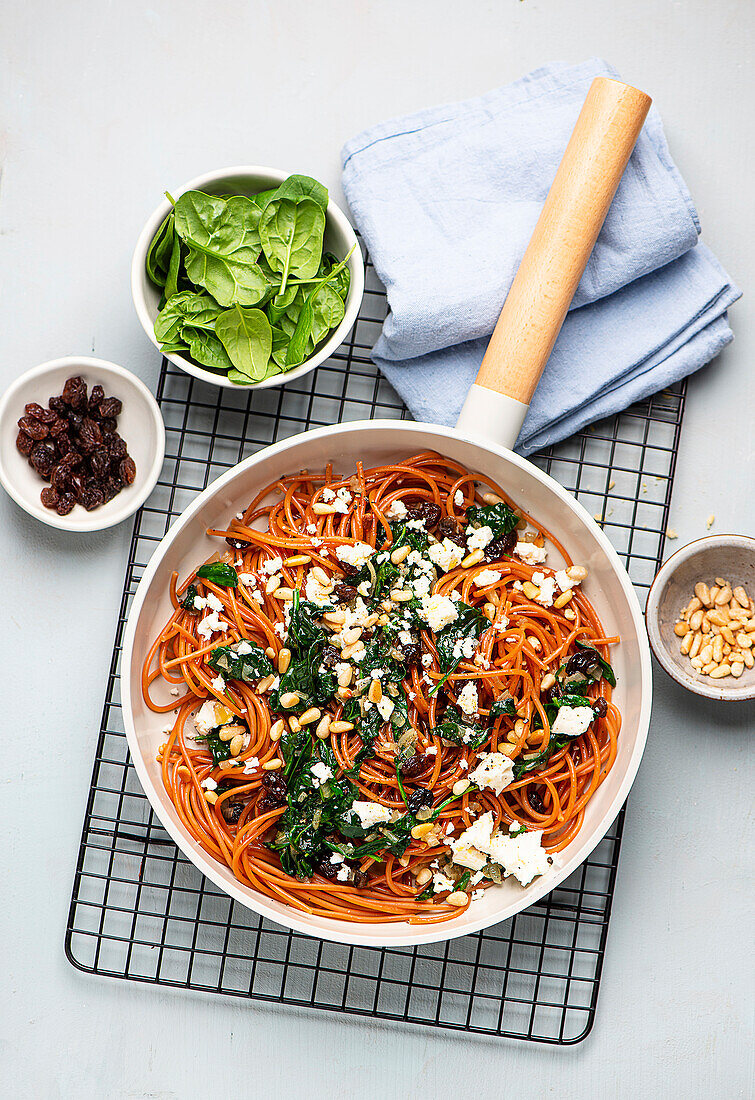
[{"x": 309, "y": 670}]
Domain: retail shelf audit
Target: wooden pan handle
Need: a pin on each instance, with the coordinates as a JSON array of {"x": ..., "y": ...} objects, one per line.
[{"x": 570, "y": 221}]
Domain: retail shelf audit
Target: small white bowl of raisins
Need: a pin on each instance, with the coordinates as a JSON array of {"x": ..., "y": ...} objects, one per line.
[{"x": 82, "y": 443}]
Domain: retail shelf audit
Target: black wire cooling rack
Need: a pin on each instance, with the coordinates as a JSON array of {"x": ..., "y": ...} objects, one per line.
[{"x": 140, "y": 910}]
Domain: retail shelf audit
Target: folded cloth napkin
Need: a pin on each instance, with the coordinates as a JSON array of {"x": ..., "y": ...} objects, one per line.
[{"x": 446, "y": 201}]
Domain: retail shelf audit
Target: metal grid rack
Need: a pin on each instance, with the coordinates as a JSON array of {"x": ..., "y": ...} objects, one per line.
[{"x": 140, "y": 910}]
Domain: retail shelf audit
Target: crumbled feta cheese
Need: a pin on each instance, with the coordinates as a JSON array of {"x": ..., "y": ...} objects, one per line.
[
  {"x": 547, "y": 586},
  {"x": 458, "y": 498},
  {"x": 239, "y": 515},
  {"x": 321, "y": 773},
  {"x": 328, "y": 494},
  {"x": 438, "y": 611},
  {"x": 476, "y": 895},
  {"x": 486, "y": 577},
  {"x": 210, "y": 784},
  {"x": 355, "y": 555},
  {"x": 211, "y": 624},
  {"x": 446, "y": 555},
  {"x": 464, "y": 764},
  {"x": 363, "y": 588},
  {"x": 336, "y": 857},
  {"x": 272, "y": 566},
  {"x": 204, "y": 719},
  {"x": 469, "y": 849},
  {"x": 479, "y": 539},
  {"x": 416, "y": 525},
  {"x": 502, "y": 624},
  {"x": 397, "y": 510},
  {"x": 528, "y": 552},
  {"x": 385, "y": 707},
  {"x": 370, "y": 813},
  {"x": 317, "y": 593},
  {"x": 522, "y": 856},
  {"x": 467, "y": 699},
  {"x": 343, "y": 874},
  {"x": 218, "y": 684},
  {"x": 431, "y": 750},
  {"x": 174, "y": 691},
  {"x": 199, "y": 603},
  {"x": 251, "y": 765},
  {"x": 572, "y": 721},
  {"x": 280, "y": 630},
  {"x": 464, "y": 647},
  {"x": 243, "y": 648},
  {"x": 495, "y": 771},
  {"x": 442, "y": 882},
  {"x": 311, "y": 528},
  {"x": 427, "y": 660},
  {"x": 213, "y": 602}
]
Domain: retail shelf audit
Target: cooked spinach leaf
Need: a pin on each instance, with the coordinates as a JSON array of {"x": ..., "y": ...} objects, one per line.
[
  {"x": 240, "y": 666},
  {"x": 220, "y": 750},
  {"x": 219, "y": 572},
  {"x": 498, "y": 517},
  {"x": 307, "y": 675},
  {"x": 606, "y": 670},
  {"x": 187, "y": 603},
  {"x": 450, "y": 642},
  {"x": 461, "y": 729},
  {"x": 505, "y": 705}
]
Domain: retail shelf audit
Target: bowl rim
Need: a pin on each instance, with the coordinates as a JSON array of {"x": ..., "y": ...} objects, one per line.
[
  {"x": 353, "y": 299},
  {"x": 733, "y": 693},
  {"x": 344, "y": 932},
  {"x": 90, "y": 522}
]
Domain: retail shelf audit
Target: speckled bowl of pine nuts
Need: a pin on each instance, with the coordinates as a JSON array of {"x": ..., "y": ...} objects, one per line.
[{"x": 700, "y": 617}]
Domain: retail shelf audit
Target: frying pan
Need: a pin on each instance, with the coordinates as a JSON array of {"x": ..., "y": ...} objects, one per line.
[{"x": 596, "y": 156}]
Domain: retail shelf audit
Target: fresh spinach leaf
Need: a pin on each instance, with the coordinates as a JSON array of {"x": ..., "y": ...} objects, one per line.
[
  {"x": 297, "y": 188},
  {"x": 158, "y": 256},
  {"x": 337, "y": 273},
  {"x": 206, "y": 349},
  {"x": 291, "y": 234},
  {"x": 306, "y": 675},
  {"x": 228, "y": 282},
  {"x": 227, "y": 228},
  {"x": 219, "y": 572},
  {"x": 247, "y": 338},
  {"x": 199, "y": 311}
]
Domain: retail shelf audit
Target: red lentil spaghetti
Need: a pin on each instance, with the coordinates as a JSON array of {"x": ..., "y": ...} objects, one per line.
[{"x": 383, "y": 701}]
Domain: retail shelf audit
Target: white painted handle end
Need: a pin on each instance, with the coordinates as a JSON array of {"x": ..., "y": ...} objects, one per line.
[{"x": 492, "y": 416}]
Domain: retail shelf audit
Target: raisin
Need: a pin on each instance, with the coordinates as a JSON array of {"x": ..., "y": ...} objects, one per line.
[
  {"x": 275, "y": 787},
  {"x": 58, "y": 426},
  {"x": 99, "y": 462},
  {"x": 345, "y": 593},
  {"x": 232, "y": 811},
  {"x": 600, "y": 706},
  {"x": 349, "y": 569},
  {"x": 237, "y": 544},
  {"x": 42, "y": 458},
  {"x": 586, "y": 662},
  {"x": 33, "y": 409},
  {"x": 536, "y": 801},
  {"x": 111, "y": 406},
  {"x": 65, "y": 504},
  {"x": 75, "y": 393},
  {"x": 60, "y": 477},
  {"x": 78, "y": 485},
  {"x": 92, "y": 497},
  {"x": 427, "y": 512},
  {"x": 57, "y": 405},
  {"x": 24, "y": 443},
  {"x": 90, "y": 435},
  {"x": 75, "y": 420},
  {"x": 501, "y": 547},
  {"x": 118, "y": 447},
  {"x": 448, "y": 528},
  {"x": 413, "y": 765},
  {"x": 127, "y": 470},
  {"x": 359, "y": 879},
  {"x": 576, "y": 754},
  {"x": 328, "y": 869},
  {"x": 35, "y": 428},
  {"x": 95, "y": 397},
  {"x": 418, "y": 799},
  {"x": 109, "y": 489},
  {"x": 330, "y": 656},
  {"x": 64, "y": 444},
  {"x": 107, "y": 426},
  {"x": 49, "y": 497}
]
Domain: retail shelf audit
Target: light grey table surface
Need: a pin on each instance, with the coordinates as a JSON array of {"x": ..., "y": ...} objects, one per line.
[{"x": 103, "y": 106}]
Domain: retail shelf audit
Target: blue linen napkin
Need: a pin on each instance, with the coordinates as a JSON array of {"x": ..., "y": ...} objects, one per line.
[{"x": 446, "y": 201}]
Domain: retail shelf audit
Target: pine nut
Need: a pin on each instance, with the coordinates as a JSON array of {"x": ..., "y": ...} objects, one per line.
[
  {"x": 577, "y": 573},
  {"x": 750, "y": 626},
  {"x": 491, "y": 498},
  {"x": 341, "y": 727},
  {"x": 237, "y": 744},
  {"x": 728, "y": 635},
  {"x": 727, "y": 649},
  {"x": 472, "y": 559},
  {"x": 265, "y": 684},
  {"x": 695, "y": 620},
  {"x": 707, "y": 669},
  {"x": 228, "y": 732},
  {"x": 718, "y": 617},
  {"x": 697, "y": 641},
  {"x": 570, "y": 613},
  {"x": 351, "y": 650},
  {"x": 323, "y": 727},
  {"x": 687, "y": 642},
  {"x": 293, "y": 723},
  {"x": 276, "y": 730},
  {"x": 284, "y": 594},
  {"x": 740, "y": 595},
  {"x": 720, "y": 581},
  {"x": 270, "y": 652},
  {"x": 748, "y": 658},
  {"x": 530, "y": 590},
  {"x": 403, "y": 861},
  {"x": 458, "y": 899},
  {"x": 401, "y": 595},
  {"x": 211, "y": 797},
  {"x": 421, "y": 831},
  {"x": 737, "y": 668},
  {"x": 720, "y": 671},
  {"x": 272, "y": 765},
  {"x": 745, "y": 641},
  {"x": 459, "y": 787},
  {"x": 344, "y": 676},
  {"x": 512, "y": 737},
  {"x": 370, "y": 621},
  {"x": 289, "y": 699},
  {"x": 323, "y": 509},
  {"x": 400, "y": 554},
  {"x": 694, "y": 605},
  {"x": 563, "y": 599},
  {"x": 284, "y": 660},
  {"x": 713, "y": 593},
  {"x": 320, "y": 575},
  {"x": 547, "y": 681},
  {"x": 706, "y": 653},
  {"x": 681, "y": 629},
  {"x": 703, "y": 593},
  {"x": 273, "y": 584},
  {"x": 335, "y": 618},
  {"x": 718, "y": 649},
  {"x": 697, "y": 663},
  {"x": 423, "y": 877},
  {"x": 353, "y": 634},
  {"x": 298, "y": 559},
  {"x": 375, "y": 694},
  {"x": 309, "y": 716},
  {"x": 489, "y": 611}
]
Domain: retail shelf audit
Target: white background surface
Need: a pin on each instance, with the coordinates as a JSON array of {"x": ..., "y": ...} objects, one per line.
[{"x": 103, "y": 106}]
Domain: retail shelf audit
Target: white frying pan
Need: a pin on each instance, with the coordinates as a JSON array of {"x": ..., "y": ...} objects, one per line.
[{"x": 574, "y": 211}]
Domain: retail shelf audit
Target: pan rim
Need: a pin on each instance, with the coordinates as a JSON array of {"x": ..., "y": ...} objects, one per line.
[{"x": 341, "y": 931}]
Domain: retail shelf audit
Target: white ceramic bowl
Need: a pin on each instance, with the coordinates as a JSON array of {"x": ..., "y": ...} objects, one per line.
[
  {"x": 375, "y": 442},
  {"x": 729, "y": 556},
  {"x": 140, "y": 424},
  {"x": 248, "y": 180}
]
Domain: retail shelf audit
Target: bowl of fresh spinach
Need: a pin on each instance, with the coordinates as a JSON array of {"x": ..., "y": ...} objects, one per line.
[{"x": 247, "y": 277}]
